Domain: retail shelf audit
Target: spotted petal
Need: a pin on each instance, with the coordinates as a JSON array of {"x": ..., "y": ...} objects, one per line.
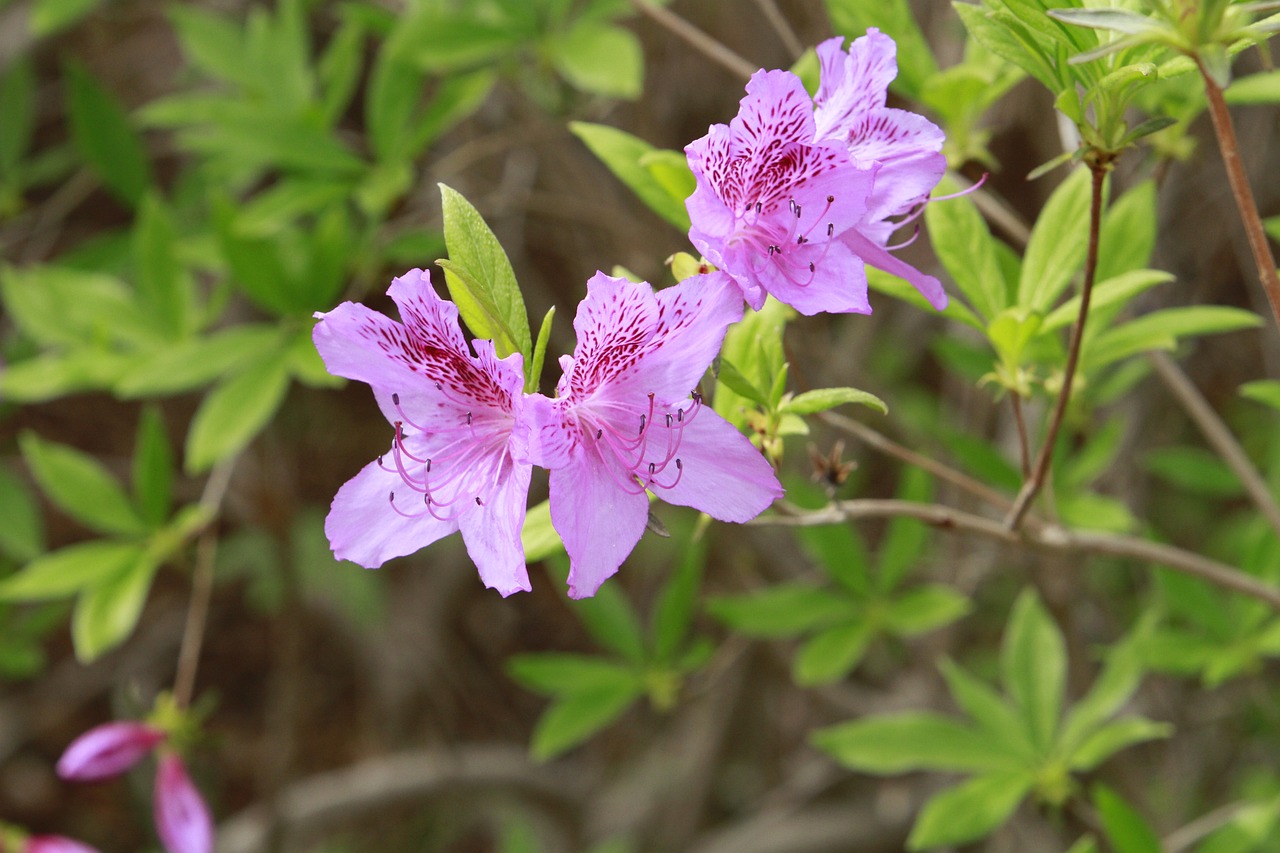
[{"x": 852, "y": 84}]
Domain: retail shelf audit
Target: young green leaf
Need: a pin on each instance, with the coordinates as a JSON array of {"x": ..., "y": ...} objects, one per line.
[
  {"x": 599, "y": 58},
  {"x": 832, "y": 653},
  {"x": 970, "y": 810},
  {"x": 622, "y": 153},
  {"x": 1056, "y": 247},
  {"x": 1265, "y": 391},
  {"x": 235, "y": 411},
  {"x": 612, "y": 622},
  {"x": 923, "y": 609},
  {"x": 105, "y": 614},
  {"x": 164, "y": 291},
  {"x": 967, "y": 250},
  {"x": 538, "y": 538},
  {"x": 21, "y": 525},
  {"x": 576, "y": 716},
  {"x": 677, "y": 602},
  {"x": 534, "y": 376},
  {"x": 907, "y": 741},
  {"x": 1125, "y": 828},
  {"x": 822, "y": 399},
  {"x": 552, "y": 674},
  {"x": 988, "y": 709},
  {"x": 68, "y": 570},
  {"x": 480, "y": 279},
  {"x": 153, "y": 468},
  {"x": 784, "y": 610},
  {"x": 80, "y": 486},
  {"x": 1114, "y": 736},
  {"x": 1033, "y": 665},
  {"x": 189, "y": 364},
  {"x": 104, "y": 136}
]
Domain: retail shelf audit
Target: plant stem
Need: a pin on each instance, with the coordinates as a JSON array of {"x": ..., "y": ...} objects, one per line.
[
  {"x": 1031, "y": 487},
  {"x": 710, "y": 47},
  {"x": 184, "y": 679},
  {"x": 1049, "y": 537},
  {"x": 1239, "y": 181},
  {"x": 779, "y": 23},
  {"x": 1218, "y": 435}
]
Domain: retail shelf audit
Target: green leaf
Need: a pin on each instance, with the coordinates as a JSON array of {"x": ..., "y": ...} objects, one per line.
[
  {"x": 1114, "y": 291},
  {"x": 822, "y": 399},
  {"x": 677, "y": 602},
  {"x": 439, "y": 41},
  {"x": 840, "y": 552},
  {"x": 80, "y": 486},
  {"x": 988, "y": 709},
  {"x": 1033, "y": 665},
  {"x": 538, "y": 537},
  {"x": 925, "y": 608},
  {"x": 1195, "y": 470},
  {"x": 784, "y": 610},
  {"x": 754, "y": 346},
  {"x": 1120, "y": 676},
  {"x": 1265, "y": 391},
  {"x": 905, "y": 539},
  {"x": 600, "y": 58},
  {"x": 733, "y": 379},
  {"x": 164, "y": 291},
  {"x": 610, "y": 619},
  {"x": 50, "y": 16},
  {"x": 1056, "y": 247},
  {"x": 969, "y": 811},
  {"x": 1255, "y": 89},
  {"x": 68, "y": 570},
  {"x": 102, "y": 132},
  {"x": 832, "y": 653},
  {"x": 71, "y": 309},
  {"x": 17, "y": 105},
  {"x": 481, "y": 280},
  {"x": 153, "y": 468},
  {"x": 1125, "y": 828},
  {"x": 552, "y": 673},
  {"x": 1161, "y": 329},
  {"x": 1128, "y": 235},
  {"x": 1113, "y": 737},
  {"x": 534, "y": 376},
  {"x": 1115, "y": 20},
  {"x": 212, "y": 43},
  {"x": 907, "y": 741},
  {"x": 967, "y": 250},
  {"x": 235, "y": 411},
  {"x": 189, "y": 364},
  {"x": 577, "y": 716},
  {"x": 105, "y": 614},
  {"x": 623, "y": 154},
  {"x": 339, "y": 68},
  {"x": 21, "y": 525}
]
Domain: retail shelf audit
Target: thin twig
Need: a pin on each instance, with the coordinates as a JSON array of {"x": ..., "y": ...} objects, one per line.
[
  {"x": 1184, "y": 836},
  {"x": 779, "y": 23},
  {"x": 1239, "y": 181},
  {"x": 889, "y": 447},
  {"x": 201, "y": 586},
  {"x": 1049, "y": 537},
  {"x": 1217, "y": 434},
  {"x": 710, "y": 47},
  {"x": 1024, "y": 446},
  {"x": 1031, "y": 487}
]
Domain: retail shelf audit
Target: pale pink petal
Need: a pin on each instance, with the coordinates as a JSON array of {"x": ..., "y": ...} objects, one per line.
[
  {"x": 902, "y": 183},
  {"x": 598, "y": 520},
  {"x": 553, "y": 438},
  {"x": 890, "y": 134},
  {"x": 613, "y": 325},
  {"x": 720, "y": 473},
  {"x": 363, "y": 527},
  {"x": 431, "y": 320},
  {"x": 492, "y": 532},
  {"x": 108, "y": 750},
  {"x": 56, "y": 844},
  {"x": 852, "y": 84},
  {"x": 878, "y": 256},
  {"x": 838, "y": 284},
  {"x": 776, "y": 111},
  {"x": 182, "y": 818}
]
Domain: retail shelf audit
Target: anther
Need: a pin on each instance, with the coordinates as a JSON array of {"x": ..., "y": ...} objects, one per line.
[
  {"x": 811, "y": 266},
  {"x": 599, "y": 434},
  {"x": 831, "y": 229},
  {"x": 395, "y": 398},
  {"x": 759, "y": 207},
  {"x": 468, "y": 419},
  {"x": 478, "y": 501},
  {"x": 643, "y": 421},
  {"x": 830, "y": 199},
  {"x": 668, "y": 421}
]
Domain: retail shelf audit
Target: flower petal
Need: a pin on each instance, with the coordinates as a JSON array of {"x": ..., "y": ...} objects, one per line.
[
  {"x": 599, "y": 522},
  {"x": 552, "y": 438},
  {"x": 56, "y": 844},
  {"x": 613, "y": 325},
  {"x": 108, "y": 750},
  {"x": 182, "y": 818},
  {"x": 492, "y": 532},
  {"x": 903, "y": 182},
  {"x": 363, "y": 527},
  {"x": 853, "y": 84},
  {"x": 878, "y": 256},
  {"x": 722, "y": 473},
  {"x": 838, "y": 284}
]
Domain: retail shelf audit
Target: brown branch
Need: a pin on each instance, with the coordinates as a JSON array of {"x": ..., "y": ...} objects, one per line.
[
  {"x": 779, "y": 23},
  {"x": 1218, "y": 435},
  {"x": 1225, "y": 131},
  {"x": 709, "y": 47},
  {"x": 1032, "y": 486},
  {"x": 1048, "y": 537}
]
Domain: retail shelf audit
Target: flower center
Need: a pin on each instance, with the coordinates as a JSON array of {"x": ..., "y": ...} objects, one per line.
[
  {"x": 646, "y": 449},
  {"x": 458, "y": 461},
  {"x": 783, "y": 244}
]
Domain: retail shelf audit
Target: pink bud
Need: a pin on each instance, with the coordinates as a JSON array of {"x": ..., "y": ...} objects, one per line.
[
  {"x": 107, "y": 750},
  {"x": 182, "y": 818},
  {"x": 55, "y": 844}
]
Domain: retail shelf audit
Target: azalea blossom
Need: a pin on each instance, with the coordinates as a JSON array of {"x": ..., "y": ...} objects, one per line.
[
  {"x": 458, "y": 452},
  {"x": 182, "y": 819},
  {"x": 902, "y": 148},
  {"x": 772, "y": 202},
  {"x": 626, "y": 421}
]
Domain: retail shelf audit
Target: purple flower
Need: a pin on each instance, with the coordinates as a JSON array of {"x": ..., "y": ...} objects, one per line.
[
  {"x": 458, "y": 456},
  {"x": 107, "y": 750},
  {"x": 55, "y": 844},
  {"x": 625, "y": 421},
  {"x": 772, "y": 203},
  {"x": 902, "y": 148},
  {"x": 182, "y": 818}
]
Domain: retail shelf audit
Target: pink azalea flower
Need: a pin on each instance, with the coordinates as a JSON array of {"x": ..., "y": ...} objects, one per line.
[
  {"x": 182, "y": 818},
  {"x": 457, "y": 458},
  {"x": 625, "y": 422},
  {"x": 772, "y": 203},
  {"x": 55, "y": 844},
  {"x": 903, "y": 148},
  {"x": 108, "y": 750}
]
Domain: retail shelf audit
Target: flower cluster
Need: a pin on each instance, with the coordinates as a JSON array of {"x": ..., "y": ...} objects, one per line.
[
  {"x": 796, "y": 194},
  {"x": 182, "y": 819},
  {"x": 626, "y": 421}
]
